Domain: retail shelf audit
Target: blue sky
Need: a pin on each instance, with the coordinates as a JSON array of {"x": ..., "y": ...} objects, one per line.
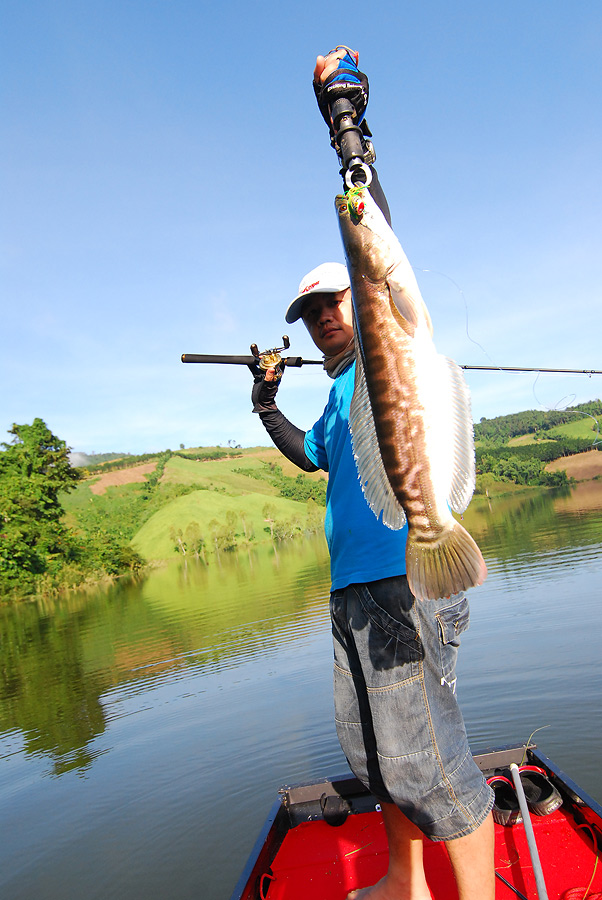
[{"x": 167, "y": 180}]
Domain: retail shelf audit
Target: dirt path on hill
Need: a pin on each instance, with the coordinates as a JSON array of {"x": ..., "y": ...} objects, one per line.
[
  {"x": 122, "y": 476},
  {"x": 581, "y": 466}
]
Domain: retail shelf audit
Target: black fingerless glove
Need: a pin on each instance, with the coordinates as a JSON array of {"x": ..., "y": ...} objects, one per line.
[
  {"x": 263, "y": 394},
  {"x": 348, "y": 82}
]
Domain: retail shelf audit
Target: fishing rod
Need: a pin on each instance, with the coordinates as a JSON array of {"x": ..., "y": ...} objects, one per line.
[
  {"x": 272, "y": 358},
  {"x": 258, "y": 362},
  {"x": 290, "y": 361},
  {"x": 528, "y": 369}
]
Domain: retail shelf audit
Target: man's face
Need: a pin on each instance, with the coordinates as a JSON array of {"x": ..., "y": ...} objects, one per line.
[{"x": 329, "y": 320}]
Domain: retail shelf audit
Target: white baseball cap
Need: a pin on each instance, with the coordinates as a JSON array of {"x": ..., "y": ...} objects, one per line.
[{"x": 325, "y": 279}]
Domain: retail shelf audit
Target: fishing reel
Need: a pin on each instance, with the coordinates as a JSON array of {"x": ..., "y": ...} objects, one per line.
[{"x": 272, "y": 358}]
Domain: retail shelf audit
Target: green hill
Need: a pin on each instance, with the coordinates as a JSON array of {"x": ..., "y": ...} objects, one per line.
[
  {"x": 585, "y": 428},
  {"x": 193, "y": 503},
  {"x": 223, "y": 522},
  {"x": 120, "y": 512},
  {"x": 519, "y": 448},
  {"x": 582, "y": 428},
  {"x": 578, "y": 421}
]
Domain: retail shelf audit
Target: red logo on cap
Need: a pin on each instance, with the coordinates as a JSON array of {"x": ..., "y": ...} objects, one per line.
[{"x": 309, "y": 287}]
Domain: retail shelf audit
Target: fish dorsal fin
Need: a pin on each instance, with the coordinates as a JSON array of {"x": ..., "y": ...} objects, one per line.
[
  {"x": 450, "y": 435},
  {"x": 373, "y": 478}
]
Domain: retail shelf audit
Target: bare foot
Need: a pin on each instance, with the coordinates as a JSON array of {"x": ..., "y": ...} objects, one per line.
[{"x": 383, "y": 890}]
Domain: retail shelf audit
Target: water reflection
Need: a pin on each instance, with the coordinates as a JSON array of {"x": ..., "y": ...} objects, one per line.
[
  {"x": 145, "y": 729},
  {"x": 60, "y": 658},
  {"x": 534, "y": 521}
]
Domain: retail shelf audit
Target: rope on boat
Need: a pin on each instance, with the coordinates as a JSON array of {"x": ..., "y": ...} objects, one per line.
[
  {"x": 589, "y": 828},
  {"x": 266, "y": 876}
]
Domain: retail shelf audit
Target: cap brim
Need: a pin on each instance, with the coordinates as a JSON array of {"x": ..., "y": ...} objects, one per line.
[
  {"x": 293, "y": 313},
  {"x": 295, "y": 310}
]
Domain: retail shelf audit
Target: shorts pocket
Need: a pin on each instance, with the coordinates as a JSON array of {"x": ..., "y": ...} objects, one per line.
[
  {"x": 451, "y": 622},
  {"x": 394, "y": 639}
]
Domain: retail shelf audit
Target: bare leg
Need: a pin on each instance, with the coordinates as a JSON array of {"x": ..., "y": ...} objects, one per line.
[
  {"x": 472, "y": 859},
  {"x": 405, "y": 879}
]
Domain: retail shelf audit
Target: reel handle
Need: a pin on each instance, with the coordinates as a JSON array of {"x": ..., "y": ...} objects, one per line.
[{"x": 272, "y": 358}]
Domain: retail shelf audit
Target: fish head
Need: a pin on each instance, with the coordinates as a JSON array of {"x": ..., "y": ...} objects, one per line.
[
  {"x": 366, "y": 242},
  {"x": 379, "y": 270}
]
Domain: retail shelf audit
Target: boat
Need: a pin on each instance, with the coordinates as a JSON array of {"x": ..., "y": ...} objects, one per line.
[{"x": 325, "y": 839}]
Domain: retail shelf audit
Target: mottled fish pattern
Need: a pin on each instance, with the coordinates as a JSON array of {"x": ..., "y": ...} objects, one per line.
[{"x": 410, "y": 419}]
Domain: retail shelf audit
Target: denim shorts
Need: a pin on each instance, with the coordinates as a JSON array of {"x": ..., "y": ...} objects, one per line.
[{"x": 396, "y": 711}]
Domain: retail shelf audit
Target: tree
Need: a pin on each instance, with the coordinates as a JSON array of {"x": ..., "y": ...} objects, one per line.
[
  {"x": 269, "y": 516},
  {"x": 178, "y": 540},
  {"x": 195, "y": 540},
  {"x": 34, "y": 470}
]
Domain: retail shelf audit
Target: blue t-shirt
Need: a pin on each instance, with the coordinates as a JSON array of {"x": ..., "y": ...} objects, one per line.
[{"x": 362, "y": 549}]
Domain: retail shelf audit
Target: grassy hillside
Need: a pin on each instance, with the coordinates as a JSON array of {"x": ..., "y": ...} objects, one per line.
[
  {"x": 534, "y": 447},
  {"x": 502, "y": 429},
  {"x": 220, "y": 474},
  {"x": 197, "y": 504},
  {"x": 581, "y": 427},
  {"x": 236, "y": 518},
  {"x": 586, "y": 427},
  {"x": 211, "y": 500}
]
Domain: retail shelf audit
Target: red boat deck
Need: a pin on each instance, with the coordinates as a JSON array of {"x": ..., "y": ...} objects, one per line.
[{"x": 324, "y": 862}]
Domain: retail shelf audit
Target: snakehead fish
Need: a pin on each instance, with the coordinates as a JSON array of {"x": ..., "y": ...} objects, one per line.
[{"x": 410, "y": 418}]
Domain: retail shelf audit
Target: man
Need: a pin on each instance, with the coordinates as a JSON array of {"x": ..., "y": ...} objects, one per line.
[{"x": 396, "y": 713}]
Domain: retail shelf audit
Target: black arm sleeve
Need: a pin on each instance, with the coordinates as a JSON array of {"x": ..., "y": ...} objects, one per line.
[
  {"x": 288, "y": 438},
  {"x": 378, "y": 195}
]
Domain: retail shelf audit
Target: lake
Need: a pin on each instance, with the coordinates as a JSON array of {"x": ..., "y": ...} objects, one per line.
[{"x": 145, "y": 729}]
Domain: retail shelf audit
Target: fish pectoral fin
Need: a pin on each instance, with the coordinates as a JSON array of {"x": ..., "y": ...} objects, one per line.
[
  {"x": 406, "y": 297},
  {"x": 373, "y": 478},
  {"x": 403, "y": 311}
]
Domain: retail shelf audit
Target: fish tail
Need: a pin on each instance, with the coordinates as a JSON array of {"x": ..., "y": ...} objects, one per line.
[{"x": 448, "y": 565}]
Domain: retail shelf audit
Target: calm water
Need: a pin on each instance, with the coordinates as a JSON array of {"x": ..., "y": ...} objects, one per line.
[{"x": 144, "y": 731}]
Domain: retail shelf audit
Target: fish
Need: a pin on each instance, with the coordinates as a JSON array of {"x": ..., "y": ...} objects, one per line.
[{"x": 410, "y": 418}]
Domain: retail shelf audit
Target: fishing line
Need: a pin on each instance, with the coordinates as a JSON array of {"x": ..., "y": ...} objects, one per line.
[
  {"x": 463, "y": 295},
  {"x": 557, "y": 407},
  {"x": 355, "y": 204},
  {"x": 529, "y": 744},
  {"x": 578, "y": 412}
]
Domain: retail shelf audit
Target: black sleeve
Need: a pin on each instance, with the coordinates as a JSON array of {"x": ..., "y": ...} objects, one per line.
[
  {"x": 288, "y": 438},
  {"x": 379, "y": 195}
]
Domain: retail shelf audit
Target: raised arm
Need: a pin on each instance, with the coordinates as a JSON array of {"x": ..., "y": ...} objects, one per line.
[
  {"x": 336, "y": 77},
  {"x": 287, "y": 437}
]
